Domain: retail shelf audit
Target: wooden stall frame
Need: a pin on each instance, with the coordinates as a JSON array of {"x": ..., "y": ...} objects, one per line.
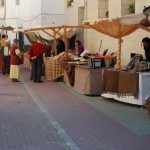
[{"x": 56, "y": 31}]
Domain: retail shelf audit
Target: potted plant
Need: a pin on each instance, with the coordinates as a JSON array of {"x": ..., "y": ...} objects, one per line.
[
  {"x": 69, "y": 2},
  {"x": 108, "y": 60},
  {"x": 131, "y": 8}
]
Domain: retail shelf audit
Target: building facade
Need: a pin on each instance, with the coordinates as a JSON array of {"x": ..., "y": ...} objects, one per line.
[
  {"x": 31, "y": 13},
  {"x": 99, "y": 9}
]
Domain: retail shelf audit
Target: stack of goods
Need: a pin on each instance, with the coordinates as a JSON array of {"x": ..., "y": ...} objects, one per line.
[
  {"x": 138, "y": 64},
  {"x": 63, "y": 56},
  {"x": 133, "y": 64},
  {"x": 105, "y": 58}
]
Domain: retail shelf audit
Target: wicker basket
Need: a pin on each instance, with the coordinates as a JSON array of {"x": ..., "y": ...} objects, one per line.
[{"x": 148, "y": 108}]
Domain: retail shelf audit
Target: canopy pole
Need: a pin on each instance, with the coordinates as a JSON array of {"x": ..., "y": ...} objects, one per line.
[
  {"x": 65, "y": 40},
  {"x": 118, "y": 64},
  {"x": 55, "y": 43}
]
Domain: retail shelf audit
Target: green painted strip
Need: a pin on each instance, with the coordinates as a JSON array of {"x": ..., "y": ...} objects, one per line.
[{"x": 133, "y": 117}]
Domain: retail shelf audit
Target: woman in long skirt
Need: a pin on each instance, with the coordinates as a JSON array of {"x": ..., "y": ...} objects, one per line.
[{"x": 14, "y": 61}]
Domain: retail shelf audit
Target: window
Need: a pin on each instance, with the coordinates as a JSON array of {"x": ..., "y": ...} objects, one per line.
[
  {"x": 17, "y": 2},
  {"x": 103, "y": 9}
]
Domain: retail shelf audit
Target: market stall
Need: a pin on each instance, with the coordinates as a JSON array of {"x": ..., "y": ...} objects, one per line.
[
  {"x": 52, "y": 68},
  {"x": 118, "y": 28}
]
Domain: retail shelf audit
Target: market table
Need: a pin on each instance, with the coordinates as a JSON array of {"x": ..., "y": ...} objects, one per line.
[
  {"x": 87, "y": 80},
  {"x": 26, "y": 61},
  {"x": 53, "y": 70},
  {"x": 143, "y": 91}
]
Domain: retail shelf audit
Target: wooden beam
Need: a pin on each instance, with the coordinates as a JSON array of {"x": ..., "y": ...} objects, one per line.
[
  {"x": 56, "y": 32},
  {"x": 54, "y": 28},
  {"x": 55, "y": 43},
  {"x": 48, "y": 33},
  {"x": 65, "y": 41}
]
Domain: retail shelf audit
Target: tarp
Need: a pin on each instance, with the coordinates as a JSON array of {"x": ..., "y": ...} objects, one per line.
[{"x": 119, "y": 26}]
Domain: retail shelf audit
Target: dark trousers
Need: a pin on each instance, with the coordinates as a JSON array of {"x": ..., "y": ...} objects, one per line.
[
  {"x": 6, "y": 64},
  {"x": 31, "y": 73},
  {"x": 37, "y": 68}
]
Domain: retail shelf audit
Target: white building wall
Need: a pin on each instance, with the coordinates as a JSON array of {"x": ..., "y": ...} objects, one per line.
[
  {"x": 74, "y": 12},
  {"x": 52, "y": 12},
  {"x": 2, "y": 17},
  {"x": 25, "y": 15},
  {"x": 32, "y": 13},
  {"x": 74, "y": 16}
]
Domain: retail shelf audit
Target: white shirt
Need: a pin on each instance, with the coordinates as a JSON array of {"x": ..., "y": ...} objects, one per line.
[{"x": 6, "y": 51}]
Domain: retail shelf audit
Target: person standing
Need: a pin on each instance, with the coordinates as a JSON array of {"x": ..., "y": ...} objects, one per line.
[
  {"x": 80, "y": 47},
  {"x": 48, "y": 49},
  {"x": 36, "y": 56},
  {"x": 146, "y": 45},
  {"x": 2, "y": 43},
  {"x": 14, "y": 61},
  {"x": 5, "y": 50},
  {"x": 60, "y": 46}
]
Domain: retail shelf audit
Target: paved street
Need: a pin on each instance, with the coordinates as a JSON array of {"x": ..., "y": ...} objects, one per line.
[{"x": 51, "y": 116}]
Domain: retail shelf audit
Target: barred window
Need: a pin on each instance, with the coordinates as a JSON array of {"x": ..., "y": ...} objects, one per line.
[{"x": 17, "y": 2}]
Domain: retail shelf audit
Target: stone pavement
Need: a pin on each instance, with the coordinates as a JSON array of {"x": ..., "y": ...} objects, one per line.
[{"x": 51, "y": 116}]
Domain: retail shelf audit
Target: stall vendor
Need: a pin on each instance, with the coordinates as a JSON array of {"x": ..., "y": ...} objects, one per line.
[
  {"x": 146, "y": 46},
  {"x": 80, "y": 47},
  {"x": 60, "y": 46}
]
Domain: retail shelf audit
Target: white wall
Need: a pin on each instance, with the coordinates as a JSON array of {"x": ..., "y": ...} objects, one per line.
[
  {"x": 72, "y": 13},
  {"x": 53, "y": 6},
  {"x": 74, "y": 16},
  {"x": 33, "y": 13},
  {"x": 52, "y": 12},
  {"x": 27, "y": 14},
  {"x": 2, "y": 15}
]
